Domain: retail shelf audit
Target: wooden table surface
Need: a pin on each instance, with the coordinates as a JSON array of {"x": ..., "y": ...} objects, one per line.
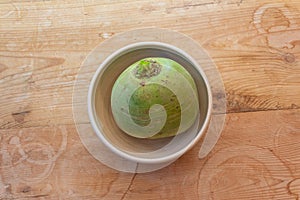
[{"x": 254, "y": 44}]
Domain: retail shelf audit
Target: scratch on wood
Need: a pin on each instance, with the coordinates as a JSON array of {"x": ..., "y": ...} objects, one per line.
[
  {"x": 36, "y": 196},
  {"x": 21, "y": 113},
  {"x": 20, "y": 116},
  {"x": 193, "y": 5},
  {"x": 129, "y": 186},
  {"x": 219, "y": 2}
]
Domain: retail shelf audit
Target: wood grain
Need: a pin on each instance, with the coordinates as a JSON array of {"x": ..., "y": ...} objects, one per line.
[
  {"x": 247, "y": 163},
  {"x": 255, "y": 45}
]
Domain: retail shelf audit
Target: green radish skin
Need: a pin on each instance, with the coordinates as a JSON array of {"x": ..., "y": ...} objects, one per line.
[
  {"x": 154, "y": 98},
  {"x": 142, "y": 100}
]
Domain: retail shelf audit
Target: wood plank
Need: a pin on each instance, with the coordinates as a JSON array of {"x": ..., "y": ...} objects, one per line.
[
  {"x": 257, "y": 157},
  {"x": 39, "y": 63}
]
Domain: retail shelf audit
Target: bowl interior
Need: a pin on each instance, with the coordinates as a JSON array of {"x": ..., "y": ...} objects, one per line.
[{"x": 144, "y": 148}]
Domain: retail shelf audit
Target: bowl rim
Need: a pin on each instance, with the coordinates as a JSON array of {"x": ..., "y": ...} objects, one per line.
[{"x": 105, "y": 64}]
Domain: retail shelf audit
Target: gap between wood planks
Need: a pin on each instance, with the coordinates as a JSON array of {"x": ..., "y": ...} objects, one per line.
[{"x": 73, "y": 124}]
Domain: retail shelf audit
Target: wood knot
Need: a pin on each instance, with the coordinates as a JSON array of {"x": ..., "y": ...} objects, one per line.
[{"x": 289, "y": 58}]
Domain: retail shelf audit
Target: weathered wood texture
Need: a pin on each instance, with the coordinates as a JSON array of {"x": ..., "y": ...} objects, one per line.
[{"x": 255, "y": 45}]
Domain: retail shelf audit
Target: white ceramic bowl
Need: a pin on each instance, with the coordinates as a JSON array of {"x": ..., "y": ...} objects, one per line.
[{"x": 144, "y": 150}]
